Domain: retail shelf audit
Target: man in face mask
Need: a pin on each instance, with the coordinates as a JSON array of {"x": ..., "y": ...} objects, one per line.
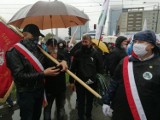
[
  {"x": 86, "y": 64},
  {"x": 135, "y": 86},
  {"x": 29, "y": 68},
  {"x": 118, "y": 53}
]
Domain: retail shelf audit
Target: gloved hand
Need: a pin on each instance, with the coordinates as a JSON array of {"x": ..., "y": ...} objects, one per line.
[
  {"x": 89, "y": 82},
  {"x": 107, "y": 111}
]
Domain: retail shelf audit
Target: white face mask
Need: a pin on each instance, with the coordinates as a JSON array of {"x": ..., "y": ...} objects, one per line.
[
  {"x": 139, "y": 49},
  {"x": 124, "y": 46}
]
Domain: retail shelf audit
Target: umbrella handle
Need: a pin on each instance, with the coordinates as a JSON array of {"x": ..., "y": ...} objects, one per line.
[{"x": 72, "y": 75}]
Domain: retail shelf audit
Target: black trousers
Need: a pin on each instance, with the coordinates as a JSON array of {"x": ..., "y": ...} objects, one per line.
[
  {"x": 85, "y": 101},
  {"x": 30, "y": 104},
  {"x": 60, "y": 102}
]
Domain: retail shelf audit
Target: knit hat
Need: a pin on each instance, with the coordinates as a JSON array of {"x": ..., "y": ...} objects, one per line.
[
  {"x": 33, "y": 29},
  {"x": 147, "y": 35}
]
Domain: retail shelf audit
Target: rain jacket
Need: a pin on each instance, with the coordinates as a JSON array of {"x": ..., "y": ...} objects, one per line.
[
  {"x": 149, "y": 90},
  {"x": 86, "y": 64},
  {"x": 56, "y": 84},
  {"x": 116, "y": 55},
  {"x": 26, "y": 78}
]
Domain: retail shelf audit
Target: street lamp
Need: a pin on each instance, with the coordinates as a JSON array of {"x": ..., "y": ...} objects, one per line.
[{"x": 157, "y": 15}]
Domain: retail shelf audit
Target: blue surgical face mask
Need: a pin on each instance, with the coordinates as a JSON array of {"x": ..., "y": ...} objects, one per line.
[{"x": 140, "y": 49}]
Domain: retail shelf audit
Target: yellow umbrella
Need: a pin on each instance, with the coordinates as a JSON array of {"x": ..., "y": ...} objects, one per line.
[{"x": 101, "y": 45}]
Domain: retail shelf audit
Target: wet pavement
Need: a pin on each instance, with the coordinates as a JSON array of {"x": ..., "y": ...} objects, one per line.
[{"x": 7, "y": 113}]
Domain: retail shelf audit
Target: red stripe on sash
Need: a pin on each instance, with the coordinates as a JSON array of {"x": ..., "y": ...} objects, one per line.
[
  {"x": 28, "y": 58},
  {"x": 128, "y": 90}
]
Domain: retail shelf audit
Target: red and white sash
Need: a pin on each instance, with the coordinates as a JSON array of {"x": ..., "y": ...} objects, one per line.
[
  {"x": 131, "y": 91},
  {"x": 33, "y": 60}
]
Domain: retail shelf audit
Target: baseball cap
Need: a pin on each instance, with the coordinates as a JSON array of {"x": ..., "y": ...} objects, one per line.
[{"x": 33, "y": 29}]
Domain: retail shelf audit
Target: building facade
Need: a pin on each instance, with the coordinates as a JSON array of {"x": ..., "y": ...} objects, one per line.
[
  {"x": 132, "y": 20},
  {"x": 114, "y": 14}
]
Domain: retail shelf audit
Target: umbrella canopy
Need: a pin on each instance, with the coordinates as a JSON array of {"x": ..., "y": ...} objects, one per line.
[
  {"x": 47, "y": 15},
  {"x": 100, "y": 45}
]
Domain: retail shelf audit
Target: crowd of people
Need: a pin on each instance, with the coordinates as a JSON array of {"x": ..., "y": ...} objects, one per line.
[{"x": 133, "y": 91}]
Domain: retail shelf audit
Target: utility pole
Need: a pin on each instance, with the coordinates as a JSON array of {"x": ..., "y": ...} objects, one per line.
[{"x": 157, "y": 18}]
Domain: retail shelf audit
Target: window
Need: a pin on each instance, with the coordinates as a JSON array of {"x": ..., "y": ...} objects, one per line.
[
  {"x": 138, "y": 18},
  {"x": 130, "y": 15},
  {"x": 138, "y": 28},
  {"x": 139, "y": 15},
  {"x": 130, "y": 21},
  {"x": 138, "y": 25},
  {"x": 138, "y": 21}
]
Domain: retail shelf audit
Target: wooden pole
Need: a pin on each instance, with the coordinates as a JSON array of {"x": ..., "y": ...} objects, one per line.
[
  {"x": 73, "y": 75},
  {"x": 68, "y": 71}
]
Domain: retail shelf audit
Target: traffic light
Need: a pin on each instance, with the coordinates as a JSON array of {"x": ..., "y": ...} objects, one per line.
[
  {"x": 94, "y": 26},
  {"x": 69, "y": 31}
]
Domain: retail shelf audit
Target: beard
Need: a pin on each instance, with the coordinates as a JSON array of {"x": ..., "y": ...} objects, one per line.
[{"x": 86, "y": 48}]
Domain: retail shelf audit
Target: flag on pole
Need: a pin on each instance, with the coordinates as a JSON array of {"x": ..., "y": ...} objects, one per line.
[
  {"x": 144, "y": 25},
  {"x": 102, "y": 19},
  {"x": 73, "y": 38},
  {"x": 8, "y": 38}
]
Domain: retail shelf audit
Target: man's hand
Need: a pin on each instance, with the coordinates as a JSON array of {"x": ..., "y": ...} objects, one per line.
[
  {"x": 64, "y": 65},
  {"x": 107, "y": 111},
  {"x": 51, "y": 71}
]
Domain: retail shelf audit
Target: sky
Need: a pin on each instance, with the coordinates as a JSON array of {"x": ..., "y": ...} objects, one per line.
[{"x": 91, "y": 7}]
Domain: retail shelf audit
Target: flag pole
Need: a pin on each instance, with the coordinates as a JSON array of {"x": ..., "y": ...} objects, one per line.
[{"x": 73, "y": 37}]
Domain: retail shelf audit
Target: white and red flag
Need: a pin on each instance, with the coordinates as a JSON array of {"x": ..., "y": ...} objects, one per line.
[{"x": 102, "y": 19}]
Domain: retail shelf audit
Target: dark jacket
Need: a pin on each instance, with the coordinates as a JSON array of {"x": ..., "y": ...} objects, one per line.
[
  {"x": 56, "y": 84},
  {"x": 116, "y": 55},
  {"x": 86, "y": 64},
  {"x": 26, "y": 78},
  {"x": 149, "y": 90}
]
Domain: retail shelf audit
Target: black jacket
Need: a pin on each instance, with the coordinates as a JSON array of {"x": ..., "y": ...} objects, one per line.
[
  {"x": 149, "y": 90},
  {"x": 115, "y": 57},
  {"x": 86, "y": 64},
  {"x": 26, "y": 78},
  {"x": 56, "y": 84}
]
